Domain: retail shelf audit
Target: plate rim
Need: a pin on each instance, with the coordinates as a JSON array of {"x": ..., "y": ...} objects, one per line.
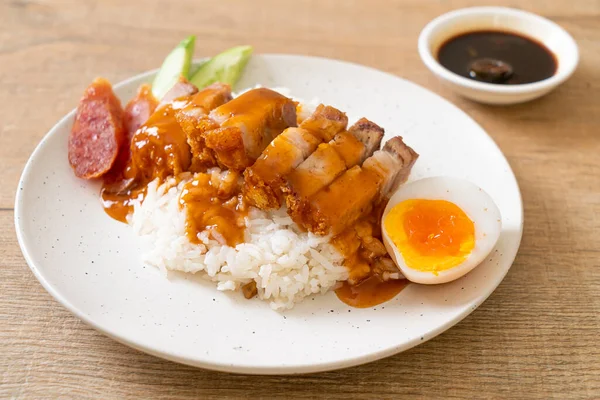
[{"x": 259, "y": 370}]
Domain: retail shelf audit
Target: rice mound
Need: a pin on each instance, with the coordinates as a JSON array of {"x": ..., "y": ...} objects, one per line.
[{"x": 286, "y": 263}]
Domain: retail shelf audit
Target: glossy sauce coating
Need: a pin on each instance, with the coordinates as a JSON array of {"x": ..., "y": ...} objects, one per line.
[
  {"x": 158, "y": 149},
  {"x": 261, "y": 114},
  {"x": 214, "y": 202},
  {"x": 326, "y": 163},
  {"x": 119, "y": 205},
  {"x": 370, "y": 292},
  {"x": 529, "y": 60},
  {"x": 368, "y": 263}
]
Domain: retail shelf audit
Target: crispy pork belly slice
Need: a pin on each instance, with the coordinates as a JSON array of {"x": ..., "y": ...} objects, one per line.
[
  {"x": 262, "y": 181},
  {"x": 325, "y": 122},
  {"x": 248, "y": 124},
  {"x": 265, "y": 180},
  {"x": 324, "y": 165},
  {"x": 393, "y": 163},
  {"x": 202, "y": 156},
  {"x": 331, "y": 160},
  {"x": 357, "y": 191},
  {"x": 181, "y": 89},
  {"x": 369, "y": 133},
  {"x": 340, "y": 204},
  {"x": 194, "y": 121},
  {"x": 206, "y": 100}
]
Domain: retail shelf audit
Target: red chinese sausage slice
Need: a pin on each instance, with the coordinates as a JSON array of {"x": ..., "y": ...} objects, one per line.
[
  {"x": 139, "y": 109},
  {"x": 136, "y": 113},
  {"x": 98, "y": 131}
]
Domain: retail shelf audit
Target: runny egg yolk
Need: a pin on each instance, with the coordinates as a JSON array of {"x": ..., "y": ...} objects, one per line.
[{"x": 431, "y": 235}]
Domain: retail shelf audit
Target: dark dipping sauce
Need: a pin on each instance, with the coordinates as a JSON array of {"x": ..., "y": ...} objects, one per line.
[{"x": 497, "y": 57}]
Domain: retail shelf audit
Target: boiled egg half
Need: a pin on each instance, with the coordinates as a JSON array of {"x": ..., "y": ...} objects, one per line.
[{"x": 437, "y": 229}]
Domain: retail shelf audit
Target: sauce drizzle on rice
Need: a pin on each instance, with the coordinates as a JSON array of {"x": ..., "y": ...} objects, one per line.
[
  {"x": 373, "y": 276},
  {"x": 214, "y": 203},
  {"x": 286, "y": 263}
]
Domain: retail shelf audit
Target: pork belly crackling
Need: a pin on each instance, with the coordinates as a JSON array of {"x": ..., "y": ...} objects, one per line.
[
  {"x": 328, "y": 177},
  {"x": 265, "y": 179},
  {"x": 229, "y": 133},
  {"x": 355, "y": 192}
]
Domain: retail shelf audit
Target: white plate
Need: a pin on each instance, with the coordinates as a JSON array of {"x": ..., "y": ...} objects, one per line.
[{"x": 90, "y": 263}]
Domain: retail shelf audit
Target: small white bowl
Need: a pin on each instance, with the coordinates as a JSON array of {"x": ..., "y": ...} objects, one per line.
[{"x": 454, "y": 23}]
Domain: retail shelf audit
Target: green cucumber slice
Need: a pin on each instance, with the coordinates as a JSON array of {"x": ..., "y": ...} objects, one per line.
[
  {"x": 176, "y": 64},
  {"x": 195, "y": 67},
  {"x": 226, "y": 67}
]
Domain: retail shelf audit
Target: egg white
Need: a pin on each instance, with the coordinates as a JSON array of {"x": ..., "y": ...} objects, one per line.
[{"x": 476, "y": 203}]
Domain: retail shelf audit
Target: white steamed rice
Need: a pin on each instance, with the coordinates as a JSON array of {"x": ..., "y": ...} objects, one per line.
[{"x": 286, "y": 264}]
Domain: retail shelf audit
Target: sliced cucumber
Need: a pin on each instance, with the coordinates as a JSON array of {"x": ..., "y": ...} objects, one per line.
[
  {"x": 226, "y": 67},
  {"x": 195, "y": 67},
  {"x": 176, "y": 64}
]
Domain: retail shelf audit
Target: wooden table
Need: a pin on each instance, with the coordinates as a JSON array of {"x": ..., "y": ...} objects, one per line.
[{"x": 536, "y": 337}]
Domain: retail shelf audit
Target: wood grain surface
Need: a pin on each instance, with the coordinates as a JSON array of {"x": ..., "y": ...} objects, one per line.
[{"x": 537, "y": 336}]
